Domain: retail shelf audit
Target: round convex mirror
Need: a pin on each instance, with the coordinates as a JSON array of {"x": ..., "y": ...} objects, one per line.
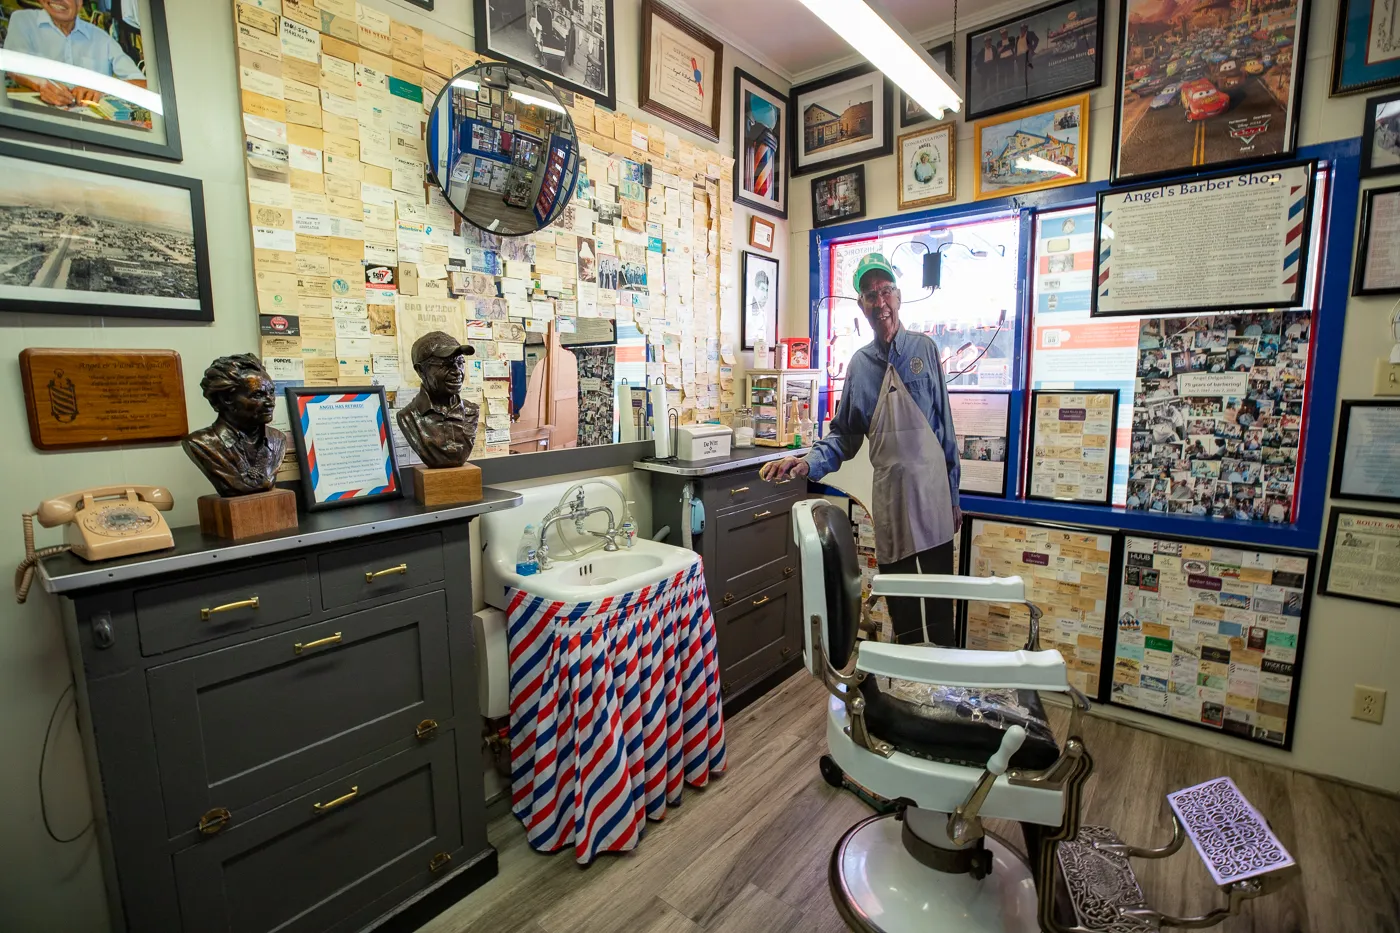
[{"x": 503, "y": 149}]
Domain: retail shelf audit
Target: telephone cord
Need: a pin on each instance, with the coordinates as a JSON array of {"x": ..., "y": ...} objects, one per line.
[{"x": 24, "y": 573}]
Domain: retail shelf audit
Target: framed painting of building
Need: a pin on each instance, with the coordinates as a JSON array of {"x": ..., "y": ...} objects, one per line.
[
  {"x": 842, "y": 118},
  {"x": 1031, "y": 149}
]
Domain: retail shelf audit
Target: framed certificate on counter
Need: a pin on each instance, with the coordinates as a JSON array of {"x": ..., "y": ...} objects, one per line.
[
  {"x": 982, "y": 421},
  {"x": 1368, "y": 451},
  {"x": 343, "y": 445},
  {"x": 1072, "y": 445},
  {"x": 1361, "y": 556}
]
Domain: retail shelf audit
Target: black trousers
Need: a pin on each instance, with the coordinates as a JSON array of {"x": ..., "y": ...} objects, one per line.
[{"x": 909, "y": 616}]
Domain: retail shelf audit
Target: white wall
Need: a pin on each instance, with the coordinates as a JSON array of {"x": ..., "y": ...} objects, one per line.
[
  {"x": 1348, "y": 642},
  {"x": 43, "y": 885}
]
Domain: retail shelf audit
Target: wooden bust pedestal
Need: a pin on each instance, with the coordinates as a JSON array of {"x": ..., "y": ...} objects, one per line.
[
  {"x": 446, "y": 485},
  {"x": 245, "y": 516}
]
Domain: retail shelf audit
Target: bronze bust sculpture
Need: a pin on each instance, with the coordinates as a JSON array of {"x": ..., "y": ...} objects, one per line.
[
  {"x": 438, "y": 424},
  {"x": 240, "y": 452}
]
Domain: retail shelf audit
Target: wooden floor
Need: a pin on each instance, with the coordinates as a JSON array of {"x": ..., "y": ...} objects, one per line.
[{"x": 749, "y": 853}]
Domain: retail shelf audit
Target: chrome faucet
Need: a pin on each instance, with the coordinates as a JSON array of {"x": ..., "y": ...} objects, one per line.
[{"x": 578, "y": 512}]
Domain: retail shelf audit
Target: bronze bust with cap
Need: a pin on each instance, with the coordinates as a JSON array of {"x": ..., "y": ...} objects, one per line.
[{"x": 438, "y": 424}]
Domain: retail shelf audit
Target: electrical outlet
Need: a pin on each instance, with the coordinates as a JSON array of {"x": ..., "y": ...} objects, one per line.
[
  {"x": 1387, "y": 378},
  {"x": 1368, "y": 703}
]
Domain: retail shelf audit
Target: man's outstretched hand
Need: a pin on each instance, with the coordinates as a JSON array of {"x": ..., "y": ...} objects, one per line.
[{"x": 794, "y": 467}]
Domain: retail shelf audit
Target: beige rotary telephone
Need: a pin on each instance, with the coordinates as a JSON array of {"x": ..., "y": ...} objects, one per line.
[{"x": 106, "y": 522}]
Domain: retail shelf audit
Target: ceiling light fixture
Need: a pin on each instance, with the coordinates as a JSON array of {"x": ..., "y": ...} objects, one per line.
[{"x": 878, "y": 36}]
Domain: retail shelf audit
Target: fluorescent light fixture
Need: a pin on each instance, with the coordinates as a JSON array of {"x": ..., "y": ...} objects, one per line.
[
  {"x": 1037, "y": 163},
  {"x": 73, "y": 76},
  {"x": 466, "y": 84},
  {"x": 889, "y": 46},
  {"x": 535, "y": 99}
]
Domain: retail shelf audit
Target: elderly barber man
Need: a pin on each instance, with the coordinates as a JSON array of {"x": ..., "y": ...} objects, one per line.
[{"x": 895, "y": 395}]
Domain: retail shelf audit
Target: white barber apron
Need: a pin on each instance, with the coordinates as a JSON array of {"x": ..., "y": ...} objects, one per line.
[{"x": 913, "y": 507}]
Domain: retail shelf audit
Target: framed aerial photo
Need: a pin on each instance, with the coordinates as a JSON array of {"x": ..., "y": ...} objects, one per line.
[
  {"x": 841, "y": 118},
  {"x": 909, "y": 110},
  {"x": 1046, "y": 53},
  {"x": 682, "y": 70},
  {"x": 1367, "y": 463},
  {"x": 761, "y": 115},
  {"x": 1367, "y": 51},
  {"x": 927, "y": 174},
  {"x": 92, "y": 71},
  {"x": 82, "y": 236},
  {"x": 343, "y": 445},
  {"x": 571, "y": 44},
  {"x": 838, "y": 197},
  {"x": 1378, "y": 246},
  {"x": 1206, "y": 85},
  {"x": 1380, "y": 137},
  {"x": 1361, "y": 556},
  {"x": 1027, "y": 150}
]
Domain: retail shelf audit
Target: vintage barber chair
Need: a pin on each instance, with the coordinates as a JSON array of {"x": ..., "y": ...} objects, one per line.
[{"x": 954, "y": 737}]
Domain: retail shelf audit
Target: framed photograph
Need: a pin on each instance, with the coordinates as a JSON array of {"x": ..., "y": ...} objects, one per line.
[
  {"x": 1150, "y": 269},
  {"x": 1046, "y": 53},
  {"x": 845, "y": 118},
  {"x": 1032, "y": 149},
  {"x": 761, "y": 116},
  {"x": 983, "y": 423},
  {"x": 838, "y": 197},
  {"x": 1380, "y": 137},
  {"x": 82, "y": 236},
  {"x": 1378, "y": 247},
  {"x": 760, "y": 300},
  {"x": 1360, "y": 555},
  {"x": 1072, "y": 441},
  {"x": 1206, "y": 86},
  {"x": 1367, "y": 51},
  {"x": 343, "y": 445},
  {"x": 1367, "y": 464},
  {"x": 927, "y": 174},
  {"x": 761, "y": 233},
  {"x": 682, "y": 70},
  {"x": 571, "y": 44},
  {"x": 93, "y": 72},
  {"x": 909, "y": 111}
]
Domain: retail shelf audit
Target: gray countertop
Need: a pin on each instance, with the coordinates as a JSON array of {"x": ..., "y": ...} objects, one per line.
[
  {"x": 65, "y": 573},
  {"x": 738, "y": 459}
]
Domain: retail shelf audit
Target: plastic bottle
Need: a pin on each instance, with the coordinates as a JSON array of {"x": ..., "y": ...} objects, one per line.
[
  {"x": 807, "y": 428},
  {"x": 526, "y": 561},
  {"x": 629, "y": 533}
]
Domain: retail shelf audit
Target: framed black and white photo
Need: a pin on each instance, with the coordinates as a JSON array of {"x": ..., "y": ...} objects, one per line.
[
  {"x": 909, "y": 110},
  {"x": 1072, "y": 444},
  {"x": 1380, "y": 137},
  {"x": 760, "y": 301},
  {"x": 82, "y": 236},
  {"x": 838, "y": 197},
  {"x": 570, "y": 42},
  {"x": 343, "y": 445},
  {"x": 1367, "y": 464},
  {"x": 761, "y": 117},
  {"x": 840, "y": 119},
  {"x": 1361, "y": 556},
  {"x": 1378, "y": 246},
  {"x": 94, "y": 71},
  {"x": 1046, "y": 53}
]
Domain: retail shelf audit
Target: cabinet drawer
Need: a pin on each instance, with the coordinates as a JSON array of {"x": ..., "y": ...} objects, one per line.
[
  {"x": 745, "y": 488},
  {"x": 205, "y": 608},
  {"x": 237, "y": 725},
  {"x": 298, "y": 868},
  {"x": 755, "y": 636},
  {"x": 753, "y": 549},
  {"x": 358, "y": 574}
]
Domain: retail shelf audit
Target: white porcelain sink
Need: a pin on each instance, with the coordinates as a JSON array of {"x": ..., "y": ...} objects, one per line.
[{"x": 593, "y": 576}]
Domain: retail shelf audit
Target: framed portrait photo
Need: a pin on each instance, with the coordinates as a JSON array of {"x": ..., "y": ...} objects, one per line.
[
  {"x": 762, "y": 233},
  {"x": 1366, "y": 56},
  {"x": 909, "y": 111},
  {"x": 761, "y": 115},
  {"x": 838, "y": 197},
  {"x": 94, "y": 72},
  {"x": 1046, "y": 53},
  {"x": 570, "y": 43},
  {"x": 1359, "y": 556},
  {"x": 927, "y": 175},
  {"x": 1044, "y": 146},
  {"x": 82, "y": 236},
  {"x": 760, "y": 300},
  {"x": 845, "y": 118},
  {"x": 1378, "y": 246},
  {"x": 343, "y": 445},
  {"x": 682, "y": 70},
  {"x": 1206, "y": 87},
  {"x": 1380, "y": 137},
  {"x": 1367, "y": 463}
]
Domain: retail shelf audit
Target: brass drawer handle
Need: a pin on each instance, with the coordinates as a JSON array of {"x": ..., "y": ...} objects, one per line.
[
  {"x": 298, "y": 648},
  {"x": 735, "y": 492},
  {"x": 728, "y": 598},
  {"x": 786, "y": 651},
  {"x": 782, "y": 482},
  {"x": 215, "y": 820},
  {"x": 249, "y": 603},
  {"x": 789, "y": 571},
  {"x": 439, "y": 862},
  {"x": 339, "y": 801},
  {"x": 764, "y": 514},
  {"x": 425, "y": 728},
  {"x": 371, "y": 577},
  {"x": 760, "y": 602}
]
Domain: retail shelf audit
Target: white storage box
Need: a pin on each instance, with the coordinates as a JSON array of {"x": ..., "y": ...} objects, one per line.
[{"x": 703, "y": 441}]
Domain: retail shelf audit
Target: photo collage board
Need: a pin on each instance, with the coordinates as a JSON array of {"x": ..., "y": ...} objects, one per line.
[{"x": 356, "y": 254}]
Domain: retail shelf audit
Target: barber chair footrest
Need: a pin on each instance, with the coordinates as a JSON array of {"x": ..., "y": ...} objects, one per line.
[
  {"x": 1101, "y": 884},
  {"x": 1232, "y": 837}
]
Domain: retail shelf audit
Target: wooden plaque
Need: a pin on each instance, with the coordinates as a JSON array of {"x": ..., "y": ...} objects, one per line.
[{"x": 102, "y": 398}]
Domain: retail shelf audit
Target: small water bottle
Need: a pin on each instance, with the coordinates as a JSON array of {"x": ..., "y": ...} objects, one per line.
[{"x": 526, "y": 561}]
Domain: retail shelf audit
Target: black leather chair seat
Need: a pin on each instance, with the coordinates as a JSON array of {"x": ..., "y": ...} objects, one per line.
[{"x": 957, "y": 724}]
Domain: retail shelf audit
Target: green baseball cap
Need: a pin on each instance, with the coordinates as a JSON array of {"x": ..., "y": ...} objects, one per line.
[{"x": 869, "y": 263}]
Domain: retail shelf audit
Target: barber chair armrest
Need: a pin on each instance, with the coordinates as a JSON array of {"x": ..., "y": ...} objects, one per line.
[
  {"x": 953, "y": 667},
  {"x": 950, "y": 586}
]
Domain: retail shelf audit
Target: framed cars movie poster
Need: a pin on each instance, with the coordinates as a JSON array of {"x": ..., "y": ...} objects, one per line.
[{"x": 1205, "y": 85}]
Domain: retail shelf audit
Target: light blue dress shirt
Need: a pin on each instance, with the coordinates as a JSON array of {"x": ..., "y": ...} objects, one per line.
[
  {"x": 33, "y": 32},
  {"x": 849, "y": 428}
]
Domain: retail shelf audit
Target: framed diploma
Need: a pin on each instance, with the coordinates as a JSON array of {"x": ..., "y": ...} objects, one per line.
[
  {"x": 1377, "y": 256},
  {"x": 1361, "y": 556},
  {"x": 1072, "y": 445},
  {"x": 1368, "y": 452},
  {"x": 343, "y": 445},
  {"x": 982, "y": 421},
  {"x": 1158, "y": 248},
  {"x": 681, "y": 70}
]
